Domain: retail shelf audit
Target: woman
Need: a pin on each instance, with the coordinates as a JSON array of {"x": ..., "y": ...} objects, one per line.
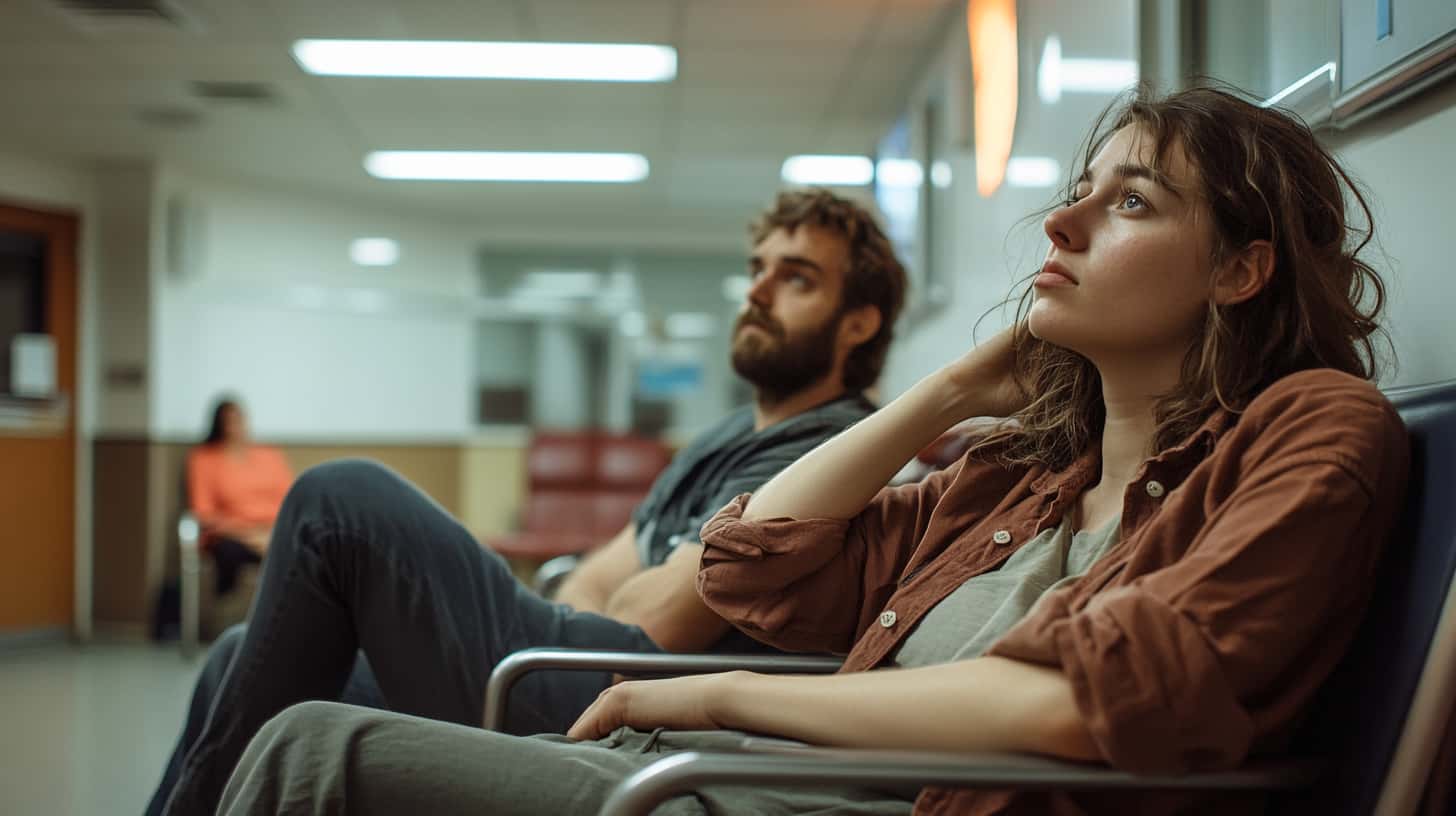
[
  {"x": 1155, "y": 567},
  {"x": 235, "y": 488}
]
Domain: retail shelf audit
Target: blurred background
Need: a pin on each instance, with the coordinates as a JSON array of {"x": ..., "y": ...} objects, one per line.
[{"x": 200, "y": 197}]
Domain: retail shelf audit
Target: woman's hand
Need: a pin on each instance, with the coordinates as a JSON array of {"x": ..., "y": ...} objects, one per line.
[
  {"x": 678, "y": 703},
  {"x": 983, "y": 379}
]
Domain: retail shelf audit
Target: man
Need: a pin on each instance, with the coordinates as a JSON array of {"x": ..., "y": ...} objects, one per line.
[{"x": 363, "y": 565}]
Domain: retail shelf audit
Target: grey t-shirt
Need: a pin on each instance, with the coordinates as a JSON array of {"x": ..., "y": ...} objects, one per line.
[
  {"x": 967, "y": 621},
  {"x": 728, "y": 459}
]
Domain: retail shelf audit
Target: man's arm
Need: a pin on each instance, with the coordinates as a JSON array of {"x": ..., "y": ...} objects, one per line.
[
  {"x": 664, "y": 601},
  {"x": 601, "y": 573}
]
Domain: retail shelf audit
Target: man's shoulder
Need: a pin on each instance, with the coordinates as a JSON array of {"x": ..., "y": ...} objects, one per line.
[{"x": 830, "y": 417}]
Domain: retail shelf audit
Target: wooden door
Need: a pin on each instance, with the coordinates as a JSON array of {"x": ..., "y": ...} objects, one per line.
[{"x": 38, "y": 458}]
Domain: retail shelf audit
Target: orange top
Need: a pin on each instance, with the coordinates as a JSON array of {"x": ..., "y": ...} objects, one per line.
[{"x": 228, "y": 489}]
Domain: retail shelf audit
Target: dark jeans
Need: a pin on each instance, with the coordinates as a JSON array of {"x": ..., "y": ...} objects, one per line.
[
  {"x": 229, "y": 556},
  {"x": 360, "y": 690},
  {"x": 361, "y": 561}
]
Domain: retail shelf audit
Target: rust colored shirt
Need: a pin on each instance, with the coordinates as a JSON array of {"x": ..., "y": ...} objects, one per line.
[
  {"x": 243, "y": 491},
  {"x": 1245, "y": 560}
]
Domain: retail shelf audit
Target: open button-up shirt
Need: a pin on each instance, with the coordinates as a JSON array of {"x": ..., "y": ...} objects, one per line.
[{"x": 1246, "y": 558}]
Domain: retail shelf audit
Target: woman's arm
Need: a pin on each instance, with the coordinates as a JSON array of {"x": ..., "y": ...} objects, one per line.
[
  {"x": 839, "y": 478},
  {"x": 985, "y": 704}
]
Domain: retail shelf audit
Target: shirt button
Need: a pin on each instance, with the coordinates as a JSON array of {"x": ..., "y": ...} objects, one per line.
[
  {"x": 1155, "y": 488},
  {"x": 887, "y": 618},
  {"x": 1001, "y": 537}
]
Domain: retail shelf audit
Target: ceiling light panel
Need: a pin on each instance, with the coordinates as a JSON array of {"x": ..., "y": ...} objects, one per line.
[
  {"x": 580, "y": 62},
  {"x": 835, "y": 171},
  {"x": 465, "y": 165}
]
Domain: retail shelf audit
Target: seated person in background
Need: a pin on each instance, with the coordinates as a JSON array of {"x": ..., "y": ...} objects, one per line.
[
  {"x": 1156, "y": 567},
  {"x": 361, "y": 561},
  {"x": 235, "y": 488}
]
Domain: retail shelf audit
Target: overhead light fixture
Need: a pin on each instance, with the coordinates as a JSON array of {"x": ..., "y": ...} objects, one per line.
[
  {"x": 374, "y": 251},
  {"x": 1057, "y": 75},
  {"x": 899, "y": 173},
  {"x": 1033, "y": 171},
  {"x": 584, "y": 62},
  {"x": 941, "y": 175},
  {"x": 991, "y": 25},
  {"x": 463, "y": 165},
  {"x": 831, "y": 171}
]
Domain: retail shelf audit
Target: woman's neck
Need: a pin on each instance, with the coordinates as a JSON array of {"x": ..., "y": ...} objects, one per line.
[{"x": 1130, "y": 394}]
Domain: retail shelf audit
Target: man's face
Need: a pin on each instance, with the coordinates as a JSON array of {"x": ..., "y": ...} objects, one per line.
[{"x": 786, "y": 337}]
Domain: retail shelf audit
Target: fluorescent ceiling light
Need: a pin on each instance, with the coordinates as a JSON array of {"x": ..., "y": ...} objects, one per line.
[
  {"x": 690, "y": 325},
  {"x": 840, "y": 171},
  {"x": 589, "y": 62},
  {"x": 1057, "y": 75},
  {"x": 374, "y": 251},
  {"x": 941, "y": 175},
  {"x": 463, "y": 165},
  {"x": 899, "y": 173},
  {"x": 1033, "y": 171}
]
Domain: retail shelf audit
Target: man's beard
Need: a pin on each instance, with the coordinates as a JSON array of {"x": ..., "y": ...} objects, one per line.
[{"x": 782, "y": 366}]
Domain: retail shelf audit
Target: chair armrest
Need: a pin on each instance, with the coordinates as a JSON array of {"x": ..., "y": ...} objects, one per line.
[
  {"x": 548, "y": 576},
  {"x": 780, "y": 765},
  {"x": 189, "y": 538},
  {"x": 189, "y": 529},
  {"x": 518, "y": 664}
]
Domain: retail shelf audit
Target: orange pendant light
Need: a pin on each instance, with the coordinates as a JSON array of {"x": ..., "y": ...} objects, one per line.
[{"x": 992, "y": 28}]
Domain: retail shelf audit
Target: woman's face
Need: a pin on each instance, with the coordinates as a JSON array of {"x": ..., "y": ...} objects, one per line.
[
  {"x": 234, "y": 425},
  {"x": 1129, "y": 266}
]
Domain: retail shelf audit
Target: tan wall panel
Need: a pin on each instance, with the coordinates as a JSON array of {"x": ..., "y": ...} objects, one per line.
[
  {"x": 435, "y": 469},
  {"x": 120, "y": 530},
  {"x": 493, "y": 488}
]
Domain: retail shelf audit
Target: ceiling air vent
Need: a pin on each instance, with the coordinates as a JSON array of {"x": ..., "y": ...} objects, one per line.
[
  {"x": 244, "y": 93},
  {"x": 112, "y": 15}
]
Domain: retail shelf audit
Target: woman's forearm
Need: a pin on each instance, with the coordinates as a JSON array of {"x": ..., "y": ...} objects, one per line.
[
  {"x": 838, "y": 478},
  {"x": 986, "y": 704}
]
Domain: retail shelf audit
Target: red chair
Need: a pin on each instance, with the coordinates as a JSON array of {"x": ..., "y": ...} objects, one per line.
[
  {"x": 625, "y": 470},
  {"x": 581, "y": 490}
]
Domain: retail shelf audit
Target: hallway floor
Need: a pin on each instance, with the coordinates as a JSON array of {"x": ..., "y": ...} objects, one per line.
[{"x": 85, "y": 730}]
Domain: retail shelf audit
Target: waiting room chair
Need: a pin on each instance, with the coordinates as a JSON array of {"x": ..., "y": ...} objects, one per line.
[
  {"x": 1367, "y": 746},
  {"x": 198, "y": 600},
  {"x": 582, "y": 488}
]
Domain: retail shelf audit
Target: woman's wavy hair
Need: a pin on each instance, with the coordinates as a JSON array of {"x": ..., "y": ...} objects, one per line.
[{"x": 1263, "y": 176}]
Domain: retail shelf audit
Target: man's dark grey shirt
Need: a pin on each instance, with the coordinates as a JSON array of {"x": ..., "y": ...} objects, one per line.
[{"x": 728, "y": 459}]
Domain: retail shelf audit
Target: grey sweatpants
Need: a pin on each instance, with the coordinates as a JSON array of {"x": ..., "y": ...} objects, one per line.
[{"x": 334, "y": 758}]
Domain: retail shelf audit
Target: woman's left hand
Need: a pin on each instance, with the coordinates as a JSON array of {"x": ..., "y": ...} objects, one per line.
[{"x": 679, "y": 703}]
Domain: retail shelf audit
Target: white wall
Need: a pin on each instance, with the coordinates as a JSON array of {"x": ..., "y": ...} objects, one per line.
[
  {"x": 273, "y": 309},
  {"x": 1403, "y": 157},
  {"x": 984, "y": 245}
]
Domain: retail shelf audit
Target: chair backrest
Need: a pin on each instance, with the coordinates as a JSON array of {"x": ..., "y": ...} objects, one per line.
[
  {"x": 629, "y": 463},
  {"x": 1364, "y": 716},
  {"x": 561, "y": 461}
]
